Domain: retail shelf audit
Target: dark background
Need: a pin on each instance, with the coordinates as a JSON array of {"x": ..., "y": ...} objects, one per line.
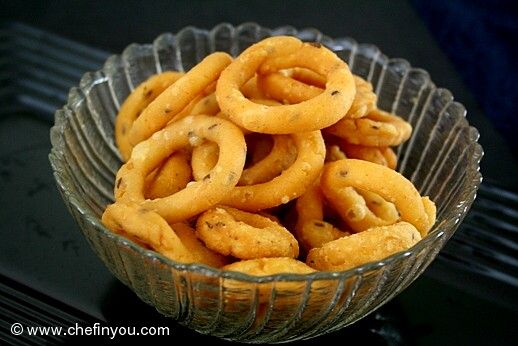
[{"x": 453, "y": 40}]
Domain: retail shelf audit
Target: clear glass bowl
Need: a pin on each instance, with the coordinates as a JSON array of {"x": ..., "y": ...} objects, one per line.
[{"x": 441, "y": 158}]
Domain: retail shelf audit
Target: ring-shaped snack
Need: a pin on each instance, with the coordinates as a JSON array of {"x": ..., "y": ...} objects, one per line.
[
  {"x": 177, "y": 96},
  {"x": 389, "y": 184},
  {"x": 282, "y": 52},
  {"x": 311, "y": 229},
  {"x": 170, "y": 177},
  {"x": 286, "y": 89},
  {"x": 361, "y": 209},
  {"x": 381, "y": 155},
  {"x": 176, "y": 242},
  {"x": 290, "y": 184},
  {"x": 243, "y": 235},
  {"x": 371, "y": 245},
  {"x": 198, "y": 196},
  {"x": 135, "y": 103},
  {"x": 376, "y": 129}
]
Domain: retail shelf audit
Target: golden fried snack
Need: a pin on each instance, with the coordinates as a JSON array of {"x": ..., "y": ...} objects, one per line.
[
  {"x": 292, "y": 182},
  {"x": 251, "y": 90},
  {"x": 334, "y": 153},
  {"x": 135, "y": 103},
  {"x": 170, "y": 177},
  {"x": 281, "y": 156},
  {"x": 376, "y": 129},
  {"x": 311, "y": 229},
  {"x": 307, "y": 76},
  {"x": 269, "y": 266},
  {"x": 176, "y": 97},
  {"x": 286, "y": 89},
  {"x": 229, "y": 231},
  {"x": 208, "y": 105},
  {"x": 204, "y": 158},
  {"x": 151, "y": 229},
  {"x": 361, "y": 209},
  {"x": 196, "y": 248},
  {"x": 381, "y": 155},
  {"x": 271, "y": 55},
  {"x": 198, "y": 196},
  {"x": 360, "y": 248},
  {"x": 389, "y": 184}
]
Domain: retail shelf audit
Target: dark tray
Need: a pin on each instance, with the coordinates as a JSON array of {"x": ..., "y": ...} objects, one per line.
[{"x": 49, "y": 275}]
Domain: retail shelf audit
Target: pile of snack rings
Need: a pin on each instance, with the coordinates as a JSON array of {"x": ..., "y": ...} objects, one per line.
[{"x": 276, "y": 161}]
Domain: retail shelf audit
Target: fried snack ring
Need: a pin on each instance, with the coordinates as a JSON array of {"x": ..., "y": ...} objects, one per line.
[
  {"x": 361, "y": 209},
  {"x": 311, "y": 229},
  {"x": 384, "y": 156},
  {"x": 243, "y": 235},
  {"x": 170, "y": 177},
  {"x": 277, "y": 53},
  {"x": 377, "y": 129},
  {"x": 269, "y": 266},
  {"x": 196, "y": 247},
  {"x": 251, "y": 89},
  {"x": 204, "y": 158},
  {"x": 135, "y": 103},
  {"x": 196, "y": 197},
  {"x": 151, "y": 229},
  {"x": 177, "y": 96},
  {"x": 371, "y": 245},
  {"x": 389, "y": 184},
  {"x": 307, "y": 76},
  {"x": 287, "y": 89},
  {"x": 290, "y": 184},
  {"x": 334, "y": 153},
  {"x": 208, "y": 105},
  {"x": 282, "y": 156}
]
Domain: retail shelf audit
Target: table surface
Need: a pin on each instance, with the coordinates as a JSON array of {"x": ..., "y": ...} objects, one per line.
[{"x": 447, "y": 314}]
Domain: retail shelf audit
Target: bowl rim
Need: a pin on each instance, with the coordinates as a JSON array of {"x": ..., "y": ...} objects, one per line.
[{"x": 474, "y": 176}]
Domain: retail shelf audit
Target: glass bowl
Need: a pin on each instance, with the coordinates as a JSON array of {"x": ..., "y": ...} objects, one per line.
[{"x": 441, "y": 158}]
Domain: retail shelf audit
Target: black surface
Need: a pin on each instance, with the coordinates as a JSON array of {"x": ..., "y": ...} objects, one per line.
[{"x": 45, "y": 250}]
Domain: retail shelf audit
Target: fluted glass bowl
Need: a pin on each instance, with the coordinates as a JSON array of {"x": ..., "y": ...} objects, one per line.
[{"x": 441, "y": 159}]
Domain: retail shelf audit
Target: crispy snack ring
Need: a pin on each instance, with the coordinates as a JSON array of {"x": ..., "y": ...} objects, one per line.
[
  {"x": 151, "y": 229},
  {"x": 170, "y": 177},
  {"x": 208, "y": 105},
  {"x": 277, "y": 53},
  {"x": 369, "y": 246},
  {"x": 204, "y": 158},
  {"x": 307, "y": 76},
  {"x": 389, "y": 184},
  {"x": 176, "y": 97},
  {"x": 281, "y": 156},
  {"x": 196, "y": 197},
  {"x": 251, "y": 89},
  {"x": 287, "y": 89},
  {"x": 377, "y": 129},
  {"x": 243, "y": 235},
  {"x": 361, "y": 209},
  {"x": 292, "y": 182},
  {"x": 135, "y": 103},
  {"x": 311, "y": 229},
  {"x": 381, "y": 155},
  {"x": 334, "y": 153},
  {"x": 269, "y": 266}
]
